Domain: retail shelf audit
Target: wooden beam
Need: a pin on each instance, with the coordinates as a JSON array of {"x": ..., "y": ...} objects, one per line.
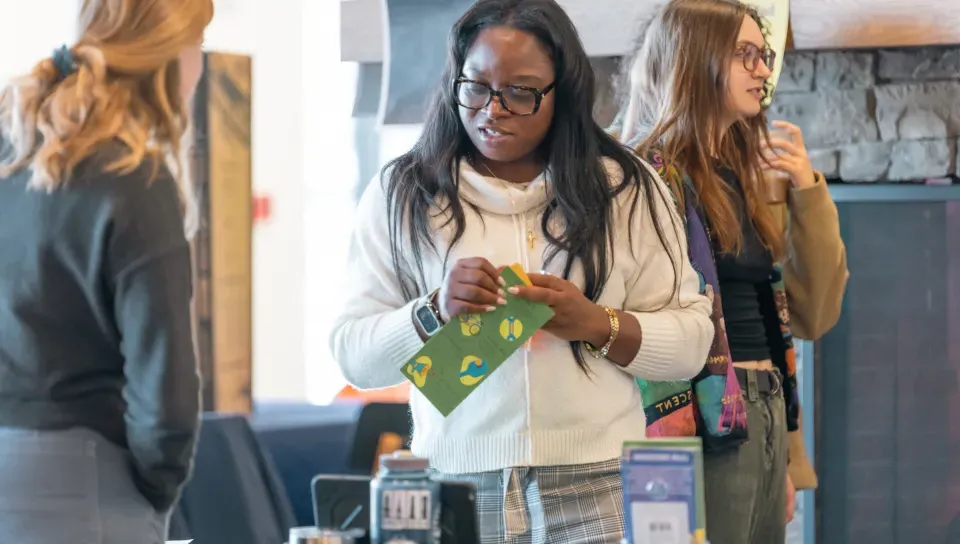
[
  {"x": 834, "y": 24},
  {"x": 607, "y": 27}
]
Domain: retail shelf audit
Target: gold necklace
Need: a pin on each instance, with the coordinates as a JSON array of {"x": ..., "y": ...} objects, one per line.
[{"x": 531, "y": 236}]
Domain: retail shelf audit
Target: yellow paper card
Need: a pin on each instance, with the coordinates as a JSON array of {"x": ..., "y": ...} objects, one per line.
[{"x": 518, "y": 270}]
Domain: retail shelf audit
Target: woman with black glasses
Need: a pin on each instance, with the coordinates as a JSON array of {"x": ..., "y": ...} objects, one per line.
[{"x": 511, "y": 168}]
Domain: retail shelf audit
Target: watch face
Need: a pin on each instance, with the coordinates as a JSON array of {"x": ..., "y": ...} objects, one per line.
[{"x": 427, "y": 320}]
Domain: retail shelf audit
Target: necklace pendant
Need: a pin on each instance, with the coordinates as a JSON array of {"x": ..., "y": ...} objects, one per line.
[{"x": 530, "y": 238}]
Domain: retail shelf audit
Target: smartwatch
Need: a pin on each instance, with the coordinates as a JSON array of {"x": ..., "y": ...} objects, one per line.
[{"x": 427, "y": 314}]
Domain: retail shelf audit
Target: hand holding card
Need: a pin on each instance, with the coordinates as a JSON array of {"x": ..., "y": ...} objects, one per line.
[
  {"x": 471, "y": 286},
  {"x": 575, "y": 317},
  {"x": 470, "y": 347}
]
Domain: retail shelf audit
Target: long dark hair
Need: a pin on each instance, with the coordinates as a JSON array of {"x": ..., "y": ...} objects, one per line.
[{"x": 425, "y": 181}]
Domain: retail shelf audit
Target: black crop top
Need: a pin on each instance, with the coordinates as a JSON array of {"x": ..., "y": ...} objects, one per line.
[{"x": 749, "y": 311}]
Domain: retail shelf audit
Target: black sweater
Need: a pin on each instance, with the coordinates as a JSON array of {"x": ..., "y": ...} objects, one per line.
[{"x": 95, "y": 328}]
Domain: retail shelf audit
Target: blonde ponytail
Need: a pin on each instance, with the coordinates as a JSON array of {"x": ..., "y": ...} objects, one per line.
[{"x": 127, "y": 90}]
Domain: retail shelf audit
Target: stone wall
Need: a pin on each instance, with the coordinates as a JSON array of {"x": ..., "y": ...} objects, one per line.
[{"x": 875, "y": 115}]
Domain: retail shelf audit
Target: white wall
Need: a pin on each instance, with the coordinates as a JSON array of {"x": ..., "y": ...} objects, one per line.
[
  {"x": 305, "y": 158},
  {"x": 39, "y": 27},
  {"x": 330, "y": 175},
  {"x": 271, "y": 33}
]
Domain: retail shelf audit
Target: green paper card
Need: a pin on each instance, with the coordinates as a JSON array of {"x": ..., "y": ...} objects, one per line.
[{"x": 457, "y": 360}]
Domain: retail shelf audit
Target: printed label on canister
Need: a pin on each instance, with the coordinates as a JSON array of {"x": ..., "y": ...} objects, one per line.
[{"x": 406, "y": 510}]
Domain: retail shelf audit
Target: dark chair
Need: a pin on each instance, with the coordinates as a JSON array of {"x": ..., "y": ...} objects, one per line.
[
  {"x": 304, "y": 440},
  {"x": 178, "y": 529},
  {"x": 376, "y": 419},
  {"x": 953, "y": 531},
  {"x": 235, "y": 494}
]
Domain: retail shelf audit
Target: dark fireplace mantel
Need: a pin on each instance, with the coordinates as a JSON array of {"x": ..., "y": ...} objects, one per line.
[
  {"x": 893, "y": 192},
  {"x": 886, "y": 378}
]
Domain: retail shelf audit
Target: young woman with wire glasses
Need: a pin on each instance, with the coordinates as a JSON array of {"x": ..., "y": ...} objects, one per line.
[{"x": 763, "y": 232}]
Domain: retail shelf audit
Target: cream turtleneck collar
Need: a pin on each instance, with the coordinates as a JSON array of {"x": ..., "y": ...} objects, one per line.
[{"x": 493, "y": 195}]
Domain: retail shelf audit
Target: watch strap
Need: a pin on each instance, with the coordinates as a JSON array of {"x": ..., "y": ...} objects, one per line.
[
  {"x": 428, "y": 303},
  {"x": 431, "y": 303}
]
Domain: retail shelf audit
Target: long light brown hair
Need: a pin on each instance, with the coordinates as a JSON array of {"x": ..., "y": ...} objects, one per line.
[
  {"x": 675, "y": 101},
  {"x": 125, "y": 87}
]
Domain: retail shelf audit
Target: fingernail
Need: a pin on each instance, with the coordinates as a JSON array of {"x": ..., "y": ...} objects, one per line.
[
  {"x": 501, "y": 301},
  {"x": 513, "y": 290},
  {"x": 491, "y": 308},
  {"x": 500, "y": 293},
  {"x": 501, "y": 281}
]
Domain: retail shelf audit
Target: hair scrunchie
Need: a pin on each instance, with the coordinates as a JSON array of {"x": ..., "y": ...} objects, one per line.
[{"x": 64, "y": 62}]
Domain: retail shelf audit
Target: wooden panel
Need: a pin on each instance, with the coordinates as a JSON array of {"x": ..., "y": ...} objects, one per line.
[
  {"x": 223, "y": 265},
  {"x": 829, "y": 24}
]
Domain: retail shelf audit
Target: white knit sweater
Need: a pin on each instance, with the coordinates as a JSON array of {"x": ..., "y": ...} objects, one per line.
[{"x": 539, "y": 408}]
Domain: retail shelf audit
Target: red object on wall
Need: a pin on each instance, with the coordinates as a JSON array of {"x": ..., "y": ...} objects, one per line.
[{"x": 261, "y": 208}]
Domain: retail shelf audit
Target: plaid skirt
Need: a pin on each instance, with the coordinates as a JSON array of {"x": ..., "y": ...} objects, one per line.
[{"x": 575, "y": 504}]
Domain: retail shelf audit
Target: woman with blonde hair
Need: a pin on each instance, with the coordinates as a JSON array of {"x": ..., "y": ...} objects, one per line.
[
  {"x": 697, "y": 85},
  {"x": 99, "y": 390}
]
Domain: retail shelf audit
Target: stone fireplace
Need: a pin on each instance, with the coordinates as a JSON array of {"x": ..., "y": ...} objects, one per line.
[
  {"x": 871, "y": 115},
  {"x": 875, "y": 115},
  {"x": 868, "y": 115}
]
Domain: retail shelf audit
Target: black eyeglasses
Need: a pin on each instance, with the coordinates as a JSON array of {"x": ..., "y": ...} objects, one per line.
[
  {"x": 752, "y": 55},
  {"x": 516, "y": 99}
]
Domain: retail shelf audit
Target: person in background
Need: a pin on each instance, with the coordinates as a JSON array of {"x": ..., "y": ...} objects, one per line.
[
  {"x": 99, "y": 388},
  {"x": 512, "y": 168},
  {"x": 774, "y": 267}
]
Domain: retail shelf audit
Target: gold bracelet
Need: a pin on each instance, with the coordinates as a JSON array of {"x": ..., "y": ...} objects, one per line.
[{"x": 614, "y": 332}]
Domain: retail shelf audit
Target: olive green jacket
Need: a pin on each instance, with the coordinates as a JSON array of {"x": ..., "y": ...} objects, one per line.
[{"x": 815, "y": 275}]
